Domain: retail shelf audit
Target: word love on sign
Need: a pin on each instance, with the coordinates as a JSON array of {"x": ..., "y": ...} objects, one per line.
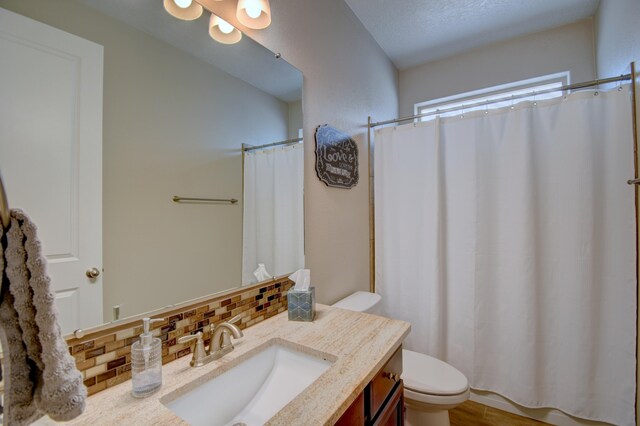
[{"x": 336, "y": 158}]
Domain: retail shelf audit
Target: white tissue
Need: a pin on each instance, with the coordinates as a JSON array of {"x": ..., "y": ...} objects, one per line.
[
  {"x": 261, "y": 273},
  {"x": 302, "y": 278}
]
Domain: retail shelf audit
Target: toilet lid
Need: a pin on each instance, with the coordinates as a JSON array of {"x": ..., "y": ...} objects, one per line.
[
  {"x": 360, "y": 301},
  {"x": 425, "y": 374}
]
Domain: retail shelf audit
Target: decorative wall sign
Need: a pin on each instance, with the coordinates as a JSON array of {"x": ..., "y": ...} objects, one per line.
[{"x": 336, "y": 157}]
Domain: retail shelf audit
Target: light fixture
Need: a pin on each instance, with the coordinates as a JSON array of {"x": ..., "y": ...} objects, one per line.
[
  {"x": 187, "y": 10},
  {"x": 222, "y": 31},
  {"x": 255, "y": 14}
]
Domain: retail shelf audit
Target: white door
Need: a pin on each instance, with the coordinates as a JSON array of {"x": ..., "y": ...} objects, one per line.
[{"x": 51, "y": 154}]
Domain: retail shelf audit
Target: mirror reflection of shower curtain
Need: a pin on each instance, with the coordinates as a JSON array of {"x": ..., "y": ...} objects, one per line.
[
  {"x": 273, "y": 228},
  {"x": 507, "y": 239}
]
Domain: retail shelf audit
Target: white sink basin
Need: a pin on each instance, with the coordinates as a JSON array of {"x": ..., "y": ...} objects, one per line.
[{"x": 251, "y": 392}]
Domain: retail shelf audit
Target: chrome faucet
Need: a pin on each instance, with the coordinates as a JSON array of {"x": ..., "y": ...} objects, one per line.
[{"x": 220, "y": 342}]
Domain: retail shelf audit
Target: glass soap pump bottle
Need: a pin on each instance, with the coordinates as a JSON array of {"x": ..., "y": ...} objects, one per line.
[{"x": 146, "y": 362}]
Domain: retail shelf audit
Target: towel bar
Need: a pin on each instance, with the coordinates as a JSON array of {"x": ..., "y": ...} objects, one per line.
[{"x": 177, "y": 199}]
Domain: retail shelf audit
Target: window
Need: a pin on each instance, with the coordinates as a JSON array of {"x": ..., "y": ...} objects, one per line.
[{"x": 477, "y": 99}]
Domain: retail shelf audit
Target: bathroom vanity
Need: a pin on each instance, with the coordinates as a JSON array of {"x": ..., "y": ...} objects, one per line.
[
  {"x": 382, "y": 401},
  {"x": 360, "y": 385}
]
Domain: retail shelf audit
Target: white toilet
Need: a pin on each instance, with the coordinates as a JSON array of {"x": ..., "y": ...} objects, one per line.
[{"x": 431, "y": 387}]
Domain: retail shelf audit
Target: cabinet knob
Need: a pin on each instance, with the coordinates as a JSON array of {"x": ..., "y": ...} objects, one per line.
[{"x": 393, "y": 376}]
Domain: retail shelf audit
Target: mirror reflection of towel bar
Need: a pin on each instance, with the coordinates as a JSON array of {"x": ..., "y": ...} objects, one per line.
[{"x": 177, "y": 199}]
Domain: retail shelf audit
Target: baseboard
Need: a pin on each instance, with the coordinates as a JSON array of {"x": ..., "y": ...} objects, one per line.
[{"x": 547, "y": 415}]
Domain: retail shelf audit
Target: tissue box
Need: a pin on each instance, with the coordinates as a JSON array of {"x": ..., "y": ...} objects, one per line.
[{"x": 302, "y": 304}]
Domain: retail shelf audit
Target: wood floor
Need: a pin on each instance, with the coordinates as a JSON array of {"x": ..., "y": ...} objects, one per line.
[{"x": 474, "y": 414}]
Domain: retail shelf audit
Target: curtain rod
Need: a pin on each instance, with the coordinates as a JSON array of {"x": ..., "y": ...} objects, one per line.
[
  {"x": 508, "y": 98},
  {"x": 246, "y": 147}
]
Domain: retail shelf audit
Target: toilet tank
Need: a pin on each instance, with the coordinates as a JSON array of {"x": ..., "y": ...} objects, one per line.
[{"x": 360, "y": 301}]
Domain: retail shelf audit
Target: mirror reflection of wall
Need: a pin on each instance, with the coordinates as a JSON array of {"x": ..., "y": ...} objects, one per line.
[{"x": 176, "y": 108}]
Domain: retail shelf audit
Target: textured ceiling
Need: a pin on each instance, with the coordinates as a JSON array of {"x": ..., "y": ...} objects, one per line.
[
  {"x": 413, "y": 32},
  {"x": 246, "y": 60}
]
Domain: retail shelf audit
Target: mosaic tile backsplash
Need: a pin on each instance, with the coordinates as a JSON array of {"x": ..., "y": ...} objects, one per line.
[{"x": 104, "y": 358}]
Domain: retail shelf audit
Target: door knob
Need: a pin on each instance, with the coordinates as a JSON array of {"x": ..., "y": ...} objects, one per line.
[{"x": 93, "y": 273}]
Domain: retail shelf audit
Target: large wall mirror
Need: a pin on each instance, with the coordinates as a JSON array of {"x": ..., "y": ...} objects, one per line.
[{"x": 170, "y": 112}]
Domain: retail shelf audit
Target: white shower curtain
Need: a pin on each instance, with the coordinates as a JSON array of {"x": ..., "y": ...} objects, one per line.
[
  {"x": 273, "y": 222},
  {"x": 507, "y": 239}
]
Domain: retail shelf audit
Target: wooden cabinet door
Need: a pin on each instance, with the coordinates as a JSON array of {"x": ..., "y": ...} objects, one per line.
[
  {"x": 384, "y": 382},
  {"x": 392, "y": 413}
]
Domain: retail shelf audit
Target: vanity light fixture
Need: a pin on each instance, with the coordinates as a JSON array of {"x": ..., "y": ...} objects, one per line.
[
  {"x": 187, "y": 10},
  {"x": 222, "y": 31},
  {"x": 254, "y": 14}
]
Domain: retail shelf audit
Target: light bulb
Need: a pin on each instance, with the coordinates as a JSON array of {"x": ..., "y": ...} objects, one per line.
[
  {"x": 254, "y": 14},
  {"x": 222, "y": 31},
  {"x": 183, "y": 3},
  {"x": 253, "y": 10},
  {"x": 187, "y": 10},
  {"x": 225, "y": 27}
]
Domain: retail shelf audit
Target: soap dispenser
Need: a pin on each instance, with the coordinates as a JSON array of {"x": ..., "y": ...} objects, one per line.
[{"x": 146, "y": 362}]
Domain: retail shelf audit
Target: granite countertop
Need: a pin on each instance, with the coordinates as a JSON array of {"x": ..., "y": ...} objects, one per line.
[{"x": 360, "y": 344}]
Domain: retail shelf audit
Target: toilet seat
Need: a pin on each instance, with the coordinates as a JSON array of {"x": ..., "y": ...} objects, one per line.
[
  {"x": 431, "y": 381},
  {"x": 444, "y": 402}
]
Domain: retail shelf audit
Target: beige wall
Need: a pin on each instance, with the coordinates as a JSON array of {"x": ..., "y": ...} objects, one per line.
[
  {"x": 346, "y": 78},
  {"x": 617, "y": 36},
  {"x": 173, "y": 125},
  {"x": 617, "y": 45},
  {"x": 566, "y": 48},
  {"x": 294, "y": 120}
]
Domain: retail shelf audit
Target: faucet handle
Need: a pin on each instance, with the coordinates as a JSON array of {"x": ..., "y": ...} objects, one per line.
[
  {"x": 190, "y": 337},
  {"x": 199, "y": 352},
  {"x": 235, "y": 319}
]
